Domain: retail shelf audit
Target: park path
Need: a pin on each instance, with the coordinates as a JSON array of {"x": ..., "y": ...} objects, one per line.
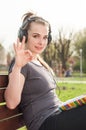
[{"x": 63, "y": 81}]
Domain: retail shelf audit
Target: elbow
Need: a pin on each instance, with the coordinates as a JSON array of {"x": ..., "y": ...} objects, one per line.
[
  {"x": 12, "y": 101},
  {"x": 12, "y": 104}
]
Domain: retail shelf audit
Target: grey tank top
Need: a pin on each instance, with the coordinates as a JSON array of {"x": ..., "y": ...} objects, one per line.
[{"x": 38, "y": 100}]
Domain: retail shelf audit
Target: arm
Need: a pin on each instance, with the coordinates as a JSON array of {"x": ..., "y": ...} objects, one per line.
[
  {"x": 14, "y": 88},
  {"x": 16, "y": 78}
]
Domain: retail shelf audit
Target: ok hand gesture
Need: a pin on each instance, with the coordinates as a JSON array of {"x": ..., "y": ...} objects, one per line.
[{"x": 22, "y": 56}]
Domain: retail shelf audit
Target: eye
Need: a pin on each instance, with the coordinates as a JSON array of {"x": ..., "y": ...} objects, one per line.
[
  {"x": 46, "y": 37},
  {"x": 35, "y": 36}
]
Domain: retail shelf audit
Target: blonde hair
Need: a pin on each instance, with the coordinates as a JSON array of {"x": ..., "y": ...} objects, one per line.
[{"x": 45, "y": 65}]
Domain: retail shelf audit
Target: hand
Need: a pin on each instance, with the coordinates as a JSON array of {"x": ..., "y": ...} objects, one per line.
[{"x": 22, "y": 56}]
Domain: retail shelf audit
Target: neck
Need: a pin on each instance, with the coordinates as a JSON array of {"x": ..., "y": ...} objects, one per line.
[
  {"x": 37, "y": 62},
  {"x": 35, "y": 57}
]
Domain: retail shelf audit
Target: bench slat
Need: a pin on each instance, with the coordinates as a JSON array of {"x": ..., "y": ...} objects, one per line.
[
  {"x": 3, "y": 80},
  {"x": 12, "y": 124},
  {"x": 9, "y": 119},
  {"x": 5, "y": 112},
  {"x": 2, "y": 95}
]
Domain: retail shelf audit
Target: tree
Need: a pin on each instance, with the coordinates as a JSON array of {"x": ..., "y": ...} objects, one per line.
[
  {"x": 48, "y": 54},
  {"x": 63, "y": 48},
  {"x": 80, "y": 43},
  {"x": 59, "y": 51},
  {"x": 2, "y": 55}
]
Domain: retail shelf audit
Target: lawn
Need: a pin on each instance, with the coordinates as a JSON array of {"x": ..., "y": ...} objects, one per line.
[{"x": 70, "y": 90}]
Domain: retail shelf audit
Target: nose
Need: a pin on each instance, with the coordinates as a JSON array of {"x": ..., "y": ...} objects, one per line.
[{"x": 41, "y": 41}]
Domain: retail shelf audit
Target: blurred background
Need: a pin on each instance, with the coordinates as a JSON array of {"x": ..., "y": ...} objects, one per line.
[{"x": 67, "y": 53}]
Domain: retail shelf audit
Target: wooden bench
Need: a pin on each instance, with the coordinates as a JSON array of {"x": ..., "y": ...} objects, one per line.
[{"x": 9, "y": 119}]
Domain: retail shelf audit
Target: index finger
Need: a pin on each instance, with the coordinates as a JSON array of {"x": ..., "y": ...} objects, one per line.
[{"x": 23, "y": 42}]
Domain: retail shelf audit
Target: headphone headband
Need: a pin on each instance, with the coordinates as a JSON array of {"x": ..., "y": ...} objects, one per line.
[{"x": 23, "y": 29}]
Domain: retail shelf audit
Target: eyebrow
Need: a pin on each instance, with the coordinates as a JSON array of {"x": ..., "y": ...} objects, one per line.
[{"x": 40, "y": 34}]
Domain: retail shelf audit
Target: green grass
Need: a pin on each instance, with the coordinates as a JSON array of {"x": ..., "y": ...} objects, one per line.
[
  {"x": 3, "y": 72},
  {"x": 71, "y": 90},
  {"x": 22, "y": 128},
  {"x": 71, "y": 87}
]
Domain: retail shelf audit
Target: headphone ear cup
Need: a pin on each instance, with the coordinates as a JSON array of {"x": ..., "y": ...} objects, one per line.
[
  {"x": 49, "y": 38},
  {"x": 49, "y": 35},
  {"x": 22, "y": 33}
]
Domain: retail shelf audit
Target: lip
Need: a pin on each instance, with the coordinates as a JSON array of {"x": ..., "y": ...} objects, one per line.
[{"x": 39, "y": 48}]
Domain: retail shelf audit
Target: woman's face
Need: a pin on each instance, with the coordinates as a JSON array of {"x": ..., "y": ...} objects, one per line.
[{"x": 37, "y": 38}]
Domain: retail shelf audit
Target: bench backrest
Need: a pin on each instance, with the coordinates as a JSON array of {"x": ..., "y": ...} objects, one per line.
[{"x": 9, "y": 119}]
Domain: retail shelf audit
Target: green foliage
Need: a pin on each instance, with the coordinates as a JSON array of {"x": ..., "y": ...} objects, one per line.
[
  {"x": 84, "y": 48},
  {"x": 80, "y": 42},
  {"x": 77, "y": 66},
  {"x": 84, "y": 66}
]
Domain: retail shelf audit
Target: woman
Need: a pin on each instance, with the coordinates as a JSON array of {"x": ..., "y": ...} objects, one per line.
[{"x": 31, "y": 84}]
